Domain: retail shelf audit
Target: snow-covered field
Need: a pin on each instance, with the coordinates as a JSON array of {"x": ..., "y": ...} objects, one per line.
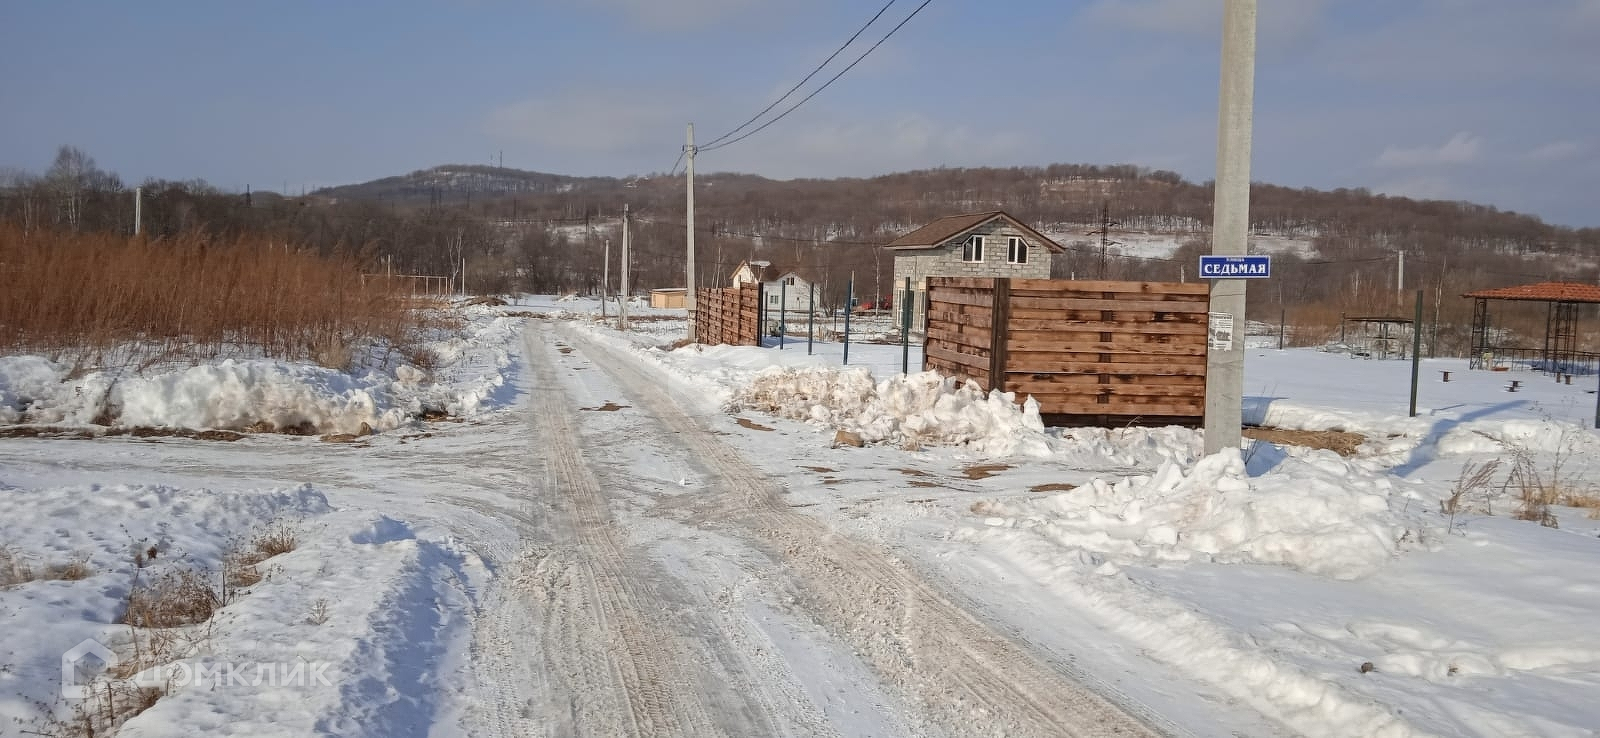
[{"x": 1274, "y": 590}]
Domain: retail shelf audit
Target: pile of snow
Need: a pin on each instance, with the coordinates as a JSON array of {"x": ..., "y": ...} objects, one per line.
[
  {"x": 244, "y": 394},
  {"x": 903, "y": 409},
  {"x": 1311, "y": 514},
  {"x": 340, "y": 636}
]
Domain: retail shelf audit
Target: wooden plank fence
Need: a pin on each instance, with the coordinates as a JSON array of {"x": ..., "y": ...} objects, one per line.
[
  {"x": 1090, "y": 352},
  {"x": 730, "y": 315}
]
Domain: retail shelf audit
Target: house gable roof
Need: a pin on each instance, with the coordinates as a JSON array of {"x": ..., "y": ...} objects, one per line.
[
  {"x": 952, "y": 227},
  {"x": 769, "y": 272},
  {"x": 1543, "y": 292}
]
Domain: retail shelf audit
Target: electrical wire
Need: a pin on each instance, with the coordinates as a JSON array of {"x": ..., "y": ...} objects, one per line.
[
  {"x": 801, "y": 83},
  {"x": 824, "y": 86}
]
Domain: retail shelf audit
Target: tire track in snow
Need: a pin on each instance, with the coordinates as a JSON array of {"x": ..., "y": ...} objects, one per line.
[
  {"x": 618, "y": 668},
  {"x": 964, "y": 677}
]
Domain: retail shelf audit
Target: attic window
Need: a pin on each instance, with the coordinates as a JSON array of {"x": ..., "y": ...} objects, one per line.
[
  {"x": 1016, "y": 250},
  {"x": 789, "y": 281},
  {"x": 972, "y": 250}
]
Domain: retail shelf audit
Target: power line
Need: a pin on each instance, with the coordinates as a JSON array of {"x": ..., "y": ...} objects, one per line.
[
  {"x": 802, "y": 82},
  {"x": 824, "y": 86}
]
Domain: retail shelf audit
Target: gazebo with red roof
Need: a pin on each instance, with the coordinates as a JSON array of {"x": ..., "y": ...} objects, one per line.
[{"x": 1560, "y": 354}]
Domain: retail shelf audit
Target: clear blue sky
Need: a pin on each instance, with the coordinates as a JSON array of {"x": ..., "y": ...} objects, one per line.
[{"x": 1493, "y": 101}]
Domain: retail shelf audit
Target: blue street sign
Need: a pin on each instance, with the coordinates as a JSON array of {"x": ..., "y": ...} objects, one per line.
[{"x": 1235, "y": 267}]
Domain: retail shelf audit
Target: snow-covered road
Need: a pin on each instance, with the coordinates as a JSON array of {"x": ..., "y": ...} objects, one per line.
[{"x": 643, "y": 605}]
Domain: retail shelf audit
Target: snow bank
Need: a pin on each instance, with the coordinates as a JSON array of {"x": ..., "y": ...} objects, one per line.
[
  {"x": 241, "y": 394},
  {"x": 904, "y": 409},
  {"x": 1538, "y": 436},
  {"x": 358, "y": 611},
  {"x": 1310, "y": 515}
]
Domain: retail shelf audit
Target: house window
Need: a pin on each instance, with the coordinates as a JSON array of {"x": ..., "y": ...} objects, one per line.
[
  {"x": 789, "y": 281},
  {"x": 1016, "y": 250},
  {"x": 772, "y": 299},
  {"x": 973, "y": 250}
]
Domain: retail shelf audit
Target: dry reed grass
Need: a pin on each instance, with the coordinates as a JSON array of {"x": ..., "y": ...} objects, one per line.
[{"x": 98, "y": 300}]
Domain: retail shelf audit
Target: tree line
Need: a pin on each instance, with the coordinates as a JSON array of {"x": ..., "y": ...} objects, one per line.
[{"x": 508, "y": 230}]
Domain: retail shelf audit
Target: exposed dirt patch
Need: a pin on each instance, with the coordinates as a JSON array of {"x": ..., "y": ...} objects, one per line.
[
  {"x": 45, "y": 431},
  {"x": 1053, "y": 487},
  {"x": 984, "y": 471},
  {"x": 921, "y": 484},
  {"x": 820, "y": 469},
  {"x": 912, "y": 472},
  {"x": 609, "y": 407},
  {"x": 489, "y": 300},
  {"x": 433, "y": 413},
  {"x": 831, "y": 481},
  {"x": 204, "y": 435},
  {"x": 1340, "y": 442},
  {"x": 523, "y": 314},
  {"x": 304, "y": 428},
  {"x": 923, "y": 501},
  {"x": 564, "y": 349},
  {"x": 752, "y": 425}
]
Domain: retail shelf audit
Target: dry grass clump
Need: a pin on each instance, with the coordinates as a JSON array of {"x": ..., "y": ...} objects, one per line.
[
  {"x": 111, "y": 703},
  {"x": 178, "y": 597},
  {"x": 15, "y": 569},
  {"x": 95, "y": 299},
  {"x": 273, "y": 540}
]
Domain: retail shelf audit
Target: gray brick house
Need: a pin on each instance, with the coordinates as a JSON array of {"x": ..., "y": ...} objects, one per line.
[{"x": 991, "y": 244}]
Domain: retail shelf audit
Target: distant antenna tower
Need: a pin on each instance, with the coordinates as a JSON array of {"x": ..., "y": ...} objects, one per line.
[{"x": 1104, "y": 232}]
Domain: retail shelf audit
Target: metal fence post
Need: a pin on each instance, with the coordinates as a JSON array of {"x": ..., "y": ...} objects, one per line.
[
  {"x": 850, "y": 306},
  {"x": 811, "y": 318},
  {"x": 905, "y": 330}
]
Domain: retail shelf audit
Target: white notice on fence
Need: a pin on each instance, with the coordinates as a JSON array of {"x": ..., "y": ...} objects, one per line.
[{"x": 1220, "y": 334}]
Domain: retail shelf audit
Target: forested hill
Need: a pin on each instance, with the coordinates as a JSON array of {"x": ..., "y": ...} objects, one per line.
[{"x": 1066, "y": 195}]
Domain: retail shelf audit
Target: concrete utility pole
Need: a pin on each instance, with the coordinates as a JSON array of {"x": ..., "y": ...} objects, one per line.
[
  {"x": 1400, "y": 273},
  {"x": 1230, "y": 226},
  {"x": 688, "y": 293},
  {"x": 622, "y": 303},
  {"x": 138, "y": 208},
  {"x": 605, "y": 280}
]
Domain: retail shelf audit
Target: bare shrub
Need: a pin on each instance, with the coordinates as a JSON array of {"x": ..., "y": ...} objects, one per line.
[{"x": 178, "y": 597}]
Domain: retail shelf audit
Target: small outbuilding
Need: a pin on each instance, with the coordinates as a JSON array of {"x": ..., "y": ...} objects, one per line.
[{"x": 669, "y": 297}]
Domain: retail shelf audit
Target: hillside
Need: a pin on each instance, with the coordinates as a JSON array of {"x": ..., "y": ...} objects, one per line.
[{"x": 459, "y": 181}]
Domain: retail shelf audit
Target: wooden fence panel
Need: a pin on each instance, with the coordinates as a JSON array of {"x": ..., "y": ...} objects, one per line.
[
  {"x": 728, "y": 315},
  {"x": 1090, "y": 352}
]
